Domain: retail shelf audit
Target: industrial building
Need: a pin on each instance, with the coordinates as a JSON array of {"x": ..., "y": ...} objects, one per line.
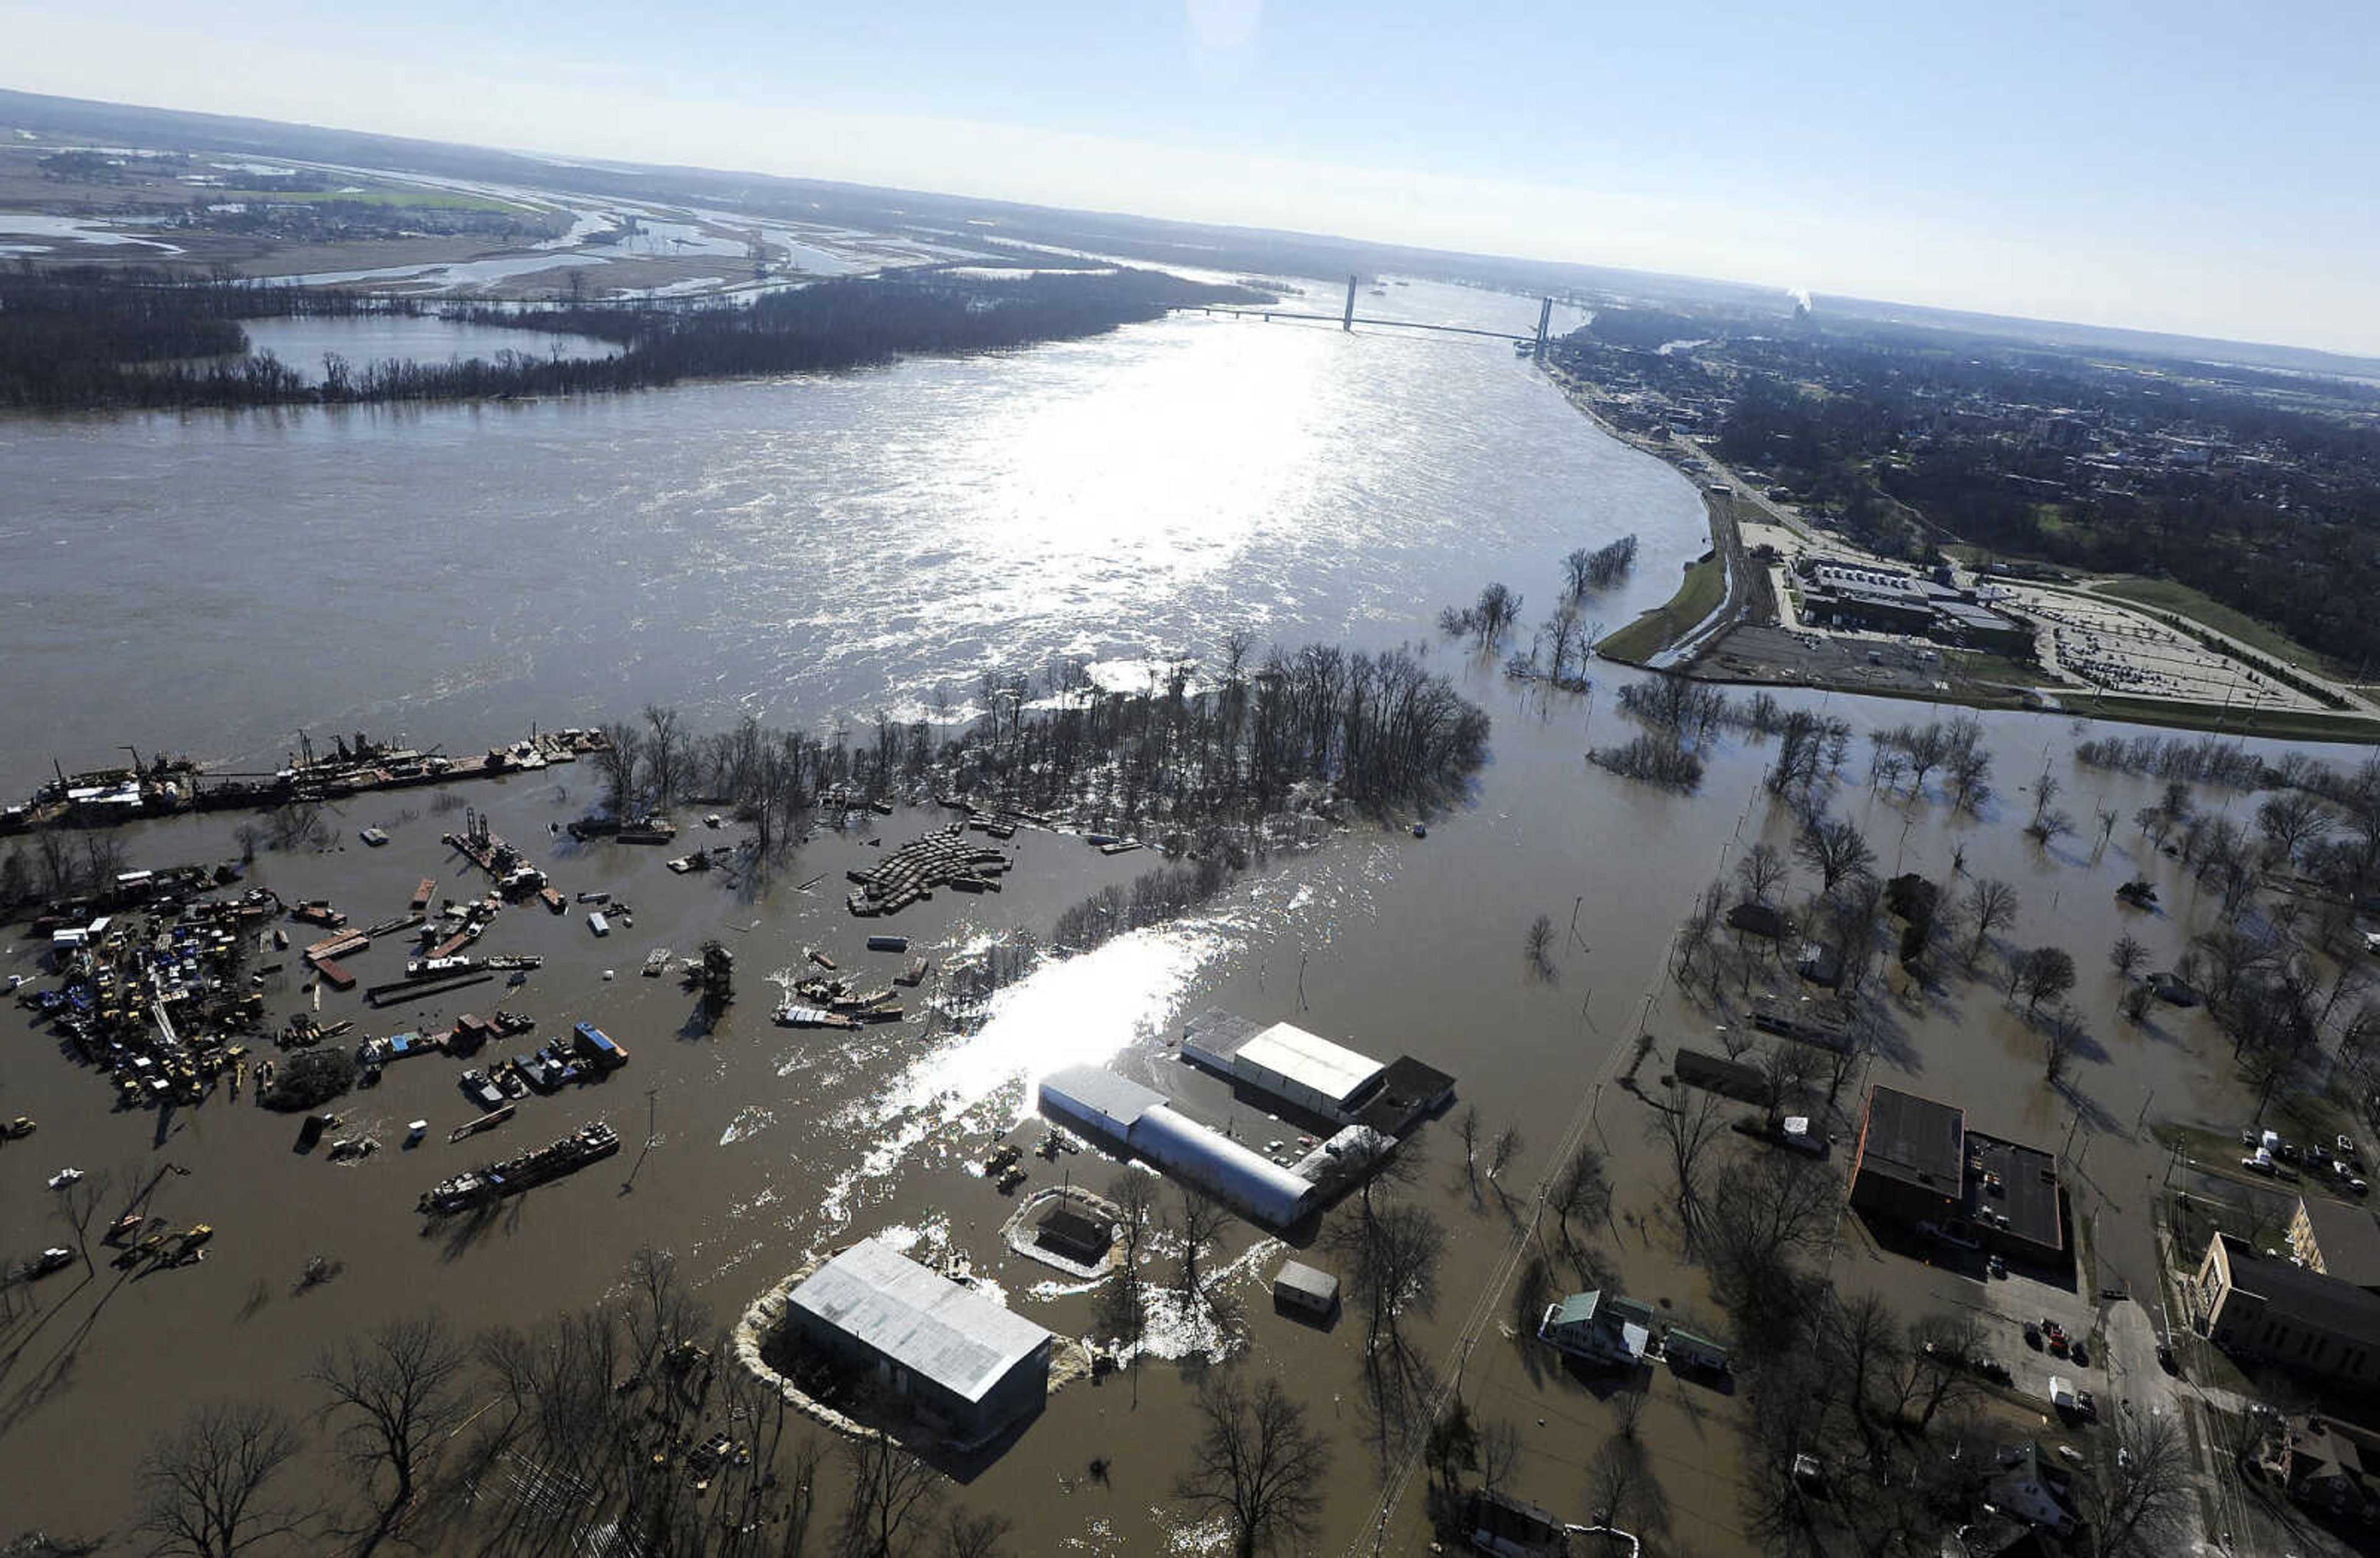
[
  {"x": 2270, "y": 1307},
  {"x": 959, "y": 1360},
  {"x": 1315, "y": 1076},
  {"x": 1917, "y": 1163},
  {"x": 1875, "y": 599},
  {"x": 1107, "y": 1109}
]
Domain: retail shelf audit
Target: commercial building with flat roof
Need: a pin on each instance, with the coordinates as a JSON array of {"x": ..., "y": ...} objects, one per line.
[
  {"x": 2012, "y": 1198},
  {"x": 1313, "y": 1076},
  {"x": 1307, "y": 1069},
  {"x": 2338, "y": 1240},
  {"x": 1911, "y": 1164},
  {"x": 959, "y": 1360},
  {"x": 2273, "y": 1308},
  {"x": 1918, "y": 1162}
]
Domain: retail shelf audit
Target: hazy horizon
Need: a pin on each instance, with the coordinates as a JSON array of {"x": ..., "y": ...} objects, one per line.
[{"x": 2049, "y": 165}]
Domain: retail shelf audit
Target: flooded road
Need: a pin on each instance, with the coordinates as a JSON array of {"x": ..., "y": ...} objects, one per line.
[{"x": 461, "y": 572}]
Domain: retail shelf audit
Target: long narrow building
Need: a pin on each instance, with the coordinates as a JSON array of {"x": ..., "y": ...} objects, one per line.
[{"x": 1118, "y": 1112}]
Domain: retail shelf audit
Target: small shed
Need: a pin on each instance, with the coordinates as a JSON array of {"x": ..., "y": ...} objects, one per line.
[
  {"x": 1067, "y": 1231},
  {"x": 1302, "y": 1288}
]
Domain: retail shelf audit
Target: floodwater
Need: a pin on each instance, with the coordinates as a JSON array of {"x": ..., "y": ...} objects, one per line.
[
  {"x": 814, "y": 548},
  {"x": 372, "y": 338}
]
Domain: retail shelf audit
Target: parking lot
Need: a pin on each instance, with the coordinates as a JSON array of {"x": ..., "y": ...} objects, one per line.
[{"x": 1809, "y": 658}]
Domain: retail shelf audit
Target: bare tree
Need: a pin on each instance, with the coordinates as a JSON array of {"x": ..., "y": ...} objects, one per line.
[
  {"x": 1760, "y": 870},
  {"x": 664, "y": 752},
  {"x": 1201, "y": 1218},
  {"x": 1684, "y": 1127},
  {"x": 1536, "y": 946},
  {"x": 620, "y": 761},
  {"x": 1946, "y": 1347},
  {"x": 1134, "y": 1194},
  {"x": 399, "y": 1392},
  {"x": 2128, "y": 955},
  {"x": 1503, "y": 1151},
  {"x": 1991, "y": 905},
  {"x": 203, "y": 1485},
  {"x": 1499, "y": 1452},
  {"x": 2290, "y": 820},
  {"x": 890, "y": 1490},
  {"x": 975, "y": 1536},
  {"x": 1255, "y": 1464},
  {"x": 1580, "y": 1191},
  {"x": 1466, "y": 1130},
  {"x": 2139, "y": 1504},
  {"x": 1834, "y": 848},
  {"x": 2064, "y": 1037},
  {"x": 1394, "y": 1255},
  {"x": 2040, "y": 974}
]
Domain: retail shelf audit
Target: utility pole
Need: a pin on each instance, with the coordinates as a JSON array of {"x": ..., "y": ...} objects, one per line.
[{"x": 1347, "y": 320}]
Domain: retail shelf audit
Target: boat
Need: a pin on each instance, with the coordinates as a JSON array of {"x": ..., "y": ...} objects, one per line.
[
  {"x": 373, "y": 836},
  {"x": 486, "y": 1122},
  {"x": 22, "y": 1126},
  {"x": 657, "y": 962},
  {"x": 597, "y": 923},
  {"x": 888, "y": 944},
  {"x": 792, "y": 1016},
  {"x": 197, "y": 1234},
  {"x": 914, "y": 974},
  {"x": 65, "y": 1177},
  {"x": 53, "y": 1259},
  {"x": 492, "y": 1182},
  {"x": 123, "y": 1228}
]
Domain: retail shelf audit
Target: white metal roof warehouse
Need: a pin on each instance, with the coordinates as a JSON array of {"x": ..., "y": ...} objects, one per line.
[
  {"x": 964, "y": 1355},
  {"x": 1105, "y": 1105},
  {"x": 1307, "y": 1068}
]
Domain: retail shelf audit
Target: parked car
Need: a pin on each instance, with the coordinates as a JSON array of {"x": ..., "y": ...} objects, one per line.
[
  {"x": 1992, "y": 1369},
  {"x": 2033, "y": 1335},
  {"x": 2257, "y": 1164},
  {"x": 2082, "y": 1354},
  {"x": 2358, "y": 1187},
  {"x": 2290, "y": 1153},
  {"x": 1996, "y": 1266},
  {"x": 2165, "y": 1359},
  {"x": 2086, "y": 1403}
]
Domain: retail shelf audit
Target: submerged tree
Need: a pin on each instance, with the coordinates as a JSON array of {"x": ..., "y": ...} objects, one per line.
[
  {"x": 203, "y": 1485},
  {"x": 1257, "y": 1464}
]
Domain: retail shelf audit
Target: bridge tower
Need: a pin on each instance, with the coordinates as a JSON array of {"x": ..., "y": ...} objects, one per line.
[
  {"x": 1347, "y": 320},
  {"x": 1545, "y": 317}
]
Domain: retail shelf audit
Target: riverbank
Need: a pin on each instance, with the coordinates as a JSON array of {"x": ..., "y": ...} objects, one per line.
[{"x": 1681, "y": 636}]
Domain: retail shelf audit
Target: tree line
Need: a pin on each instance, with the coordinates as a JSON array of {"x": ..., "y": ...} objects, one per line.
[{"x": 87, "y": 336}]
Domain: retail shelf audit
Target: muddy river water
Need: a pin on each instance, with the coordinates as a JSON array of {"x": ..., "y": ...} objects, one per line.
[{"x": 820, "y": 549}]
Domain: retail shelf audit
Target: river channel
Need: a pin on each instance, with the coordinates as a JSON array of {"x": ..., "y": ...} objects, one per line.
[{"x": 814, "y": 549}]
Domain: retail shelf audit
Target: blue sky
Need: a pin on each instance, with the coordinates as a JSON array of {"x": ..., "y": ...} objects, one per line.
[{"x": 2175, "y": 165}]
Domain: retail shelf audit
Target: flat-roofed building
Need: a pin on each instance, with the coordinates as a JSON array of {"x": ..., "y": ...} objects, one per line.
[
  {"x": 2270, "y": 1307},
  {"x": 2013, "y": 1200},
  {"x": 1911, "y": 1164},
  {"x": 1315, "y": 1077},
  {"x": 2338, "y": 1240},
  {"x": 959, "y": 1360},
  {"x": 1308, "y": 1070}
]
